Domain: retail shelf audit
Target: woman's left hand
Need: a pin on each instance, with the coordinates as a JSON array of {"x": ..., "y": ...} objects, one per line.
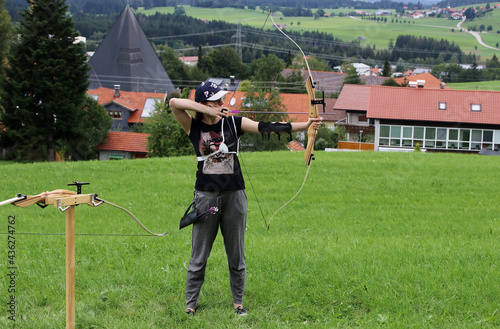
[{"x": 316, "y": 122}]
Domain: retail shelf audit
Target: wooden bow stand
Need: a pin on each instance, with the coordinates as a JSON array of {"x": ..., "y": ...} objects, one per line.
[
  {"x": 67, "y": 205},
  {"x": 66, "y": 201}
]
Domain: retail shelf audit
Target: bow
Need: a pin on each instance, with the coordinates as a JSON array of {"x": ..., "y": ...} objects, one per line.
[
  {"x": 51, "y": 198},
  {"x": 313, "y": 113}
]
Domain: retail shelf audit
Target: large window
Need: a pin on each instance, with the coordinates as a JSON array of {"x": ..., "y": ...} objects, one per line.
[
  {"x": 439, "y": 137},
  {"x": 149, "y": 107},
  {"x": 496, "y": 140}
]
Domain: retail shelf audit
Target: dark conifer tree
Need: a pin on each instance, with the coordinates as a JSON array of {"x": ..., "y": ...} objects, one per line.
[
  {"x": 45, "y": 85},
  {"x": 386, "y": 69},
  {"x": 5, "y": 27}
]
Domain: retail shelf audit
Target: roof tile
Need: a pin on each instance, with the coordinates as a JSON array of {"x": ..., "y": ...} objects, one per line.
[
  {"x": 131, "y": 101},
  {"x": 423, "y": 105},
  {"x": 125, "y": 141}
]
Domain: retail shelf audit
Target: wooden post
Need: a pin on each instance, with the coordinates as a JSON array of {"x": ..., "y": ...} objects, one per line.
[
  {"x": 70, "y": 268},
  {"x": 65, "y": 201}
]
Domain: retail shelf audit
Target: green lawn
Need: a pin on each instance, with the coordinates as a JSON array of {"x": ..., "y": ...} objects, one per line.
[
  {"x": 480, "y": 85},
  {"x": 375, "y": 240},
  {"x": 347, "y": 29}
]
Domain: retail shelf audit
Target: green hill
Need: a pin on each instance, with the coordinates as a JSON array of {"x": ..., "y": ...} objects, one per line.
[{"x": 352, "y": 28}]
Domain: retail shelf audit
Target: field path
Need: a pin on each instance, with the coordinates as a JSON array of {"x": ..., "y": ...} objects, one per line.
[{"x": 476, "y": 35}]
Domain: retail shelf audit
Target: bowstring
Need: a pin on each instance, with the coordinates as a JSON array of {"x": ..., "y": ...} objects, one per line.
[
  {"x": 300, "y": 189},
  {"x": 253, "y": 190},
  {"x": 262, "y": 29},
  {"x": 309, "y": 165},
  {"x": 133, "y": 217}
]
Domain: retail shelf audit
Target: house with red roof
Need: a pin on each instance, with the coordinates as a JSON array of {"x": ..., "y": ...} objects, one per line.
[
  {"x": 354, "y": 101},
  {"x": 424, "y": 80},
  {"x": 127, "y": 108},
  {"x": 331, "y": 82},
  {"x": 121, "y": 145},
  {"x": 436, "y": 119},
  {"x": 189, "y": 60}
]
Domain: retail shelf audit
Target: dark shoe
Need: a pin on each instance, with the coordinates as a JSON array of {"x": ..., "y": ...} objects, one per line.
[
  {"x": 240, "y": 311},
  {"x": 190, "y": 312}
]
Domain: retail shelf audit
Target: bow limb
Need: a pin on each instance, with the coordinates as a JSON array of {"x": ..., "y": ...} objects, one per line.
[
  {"x": 45, "y": 198},
  {"x": 313, "y": 108},
  {"x": 313, "y": 113}
]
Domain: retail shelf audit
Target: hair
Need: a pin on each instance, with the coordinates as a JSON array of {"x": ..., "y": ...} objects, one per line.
[{"x": 199, "y": 116}]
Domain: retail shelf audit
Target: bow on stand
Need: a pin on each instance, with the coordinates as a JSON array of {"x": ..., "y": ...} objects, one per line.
[
  {"x": 62, "y": 199},
  {"x": 313, "y": 113}
]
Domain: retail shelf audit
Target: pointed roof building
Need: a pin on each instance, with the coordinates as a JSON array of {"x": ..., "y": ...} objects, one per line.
[{"x": 126, "y": 58}]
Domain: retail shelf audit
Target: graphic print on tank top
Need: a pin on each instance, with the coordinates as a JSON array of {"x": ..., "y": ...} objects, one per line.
[{"x": 220, "y": 163}]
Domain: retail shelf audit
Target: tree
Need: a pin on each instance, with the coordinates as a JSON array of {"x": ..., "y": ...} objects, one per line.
[
  {"x": 166, "y": 136},
  {"x": 289, "y": 59},
  {"x": 46, "y": 84},
  {"x": 328, "y": 138},
  {"x": 5, "y": 27},
  {"x": 179, "y": 10},
  {"x": 315, "y": 63},
  {"x": 262, "y": 101},
  {"x": 224, "y": 62},
  {"x": 293, "y": 83},
  {"x": 493, "y": 62},
  {"x": 447, "y": 72},
  {"x": 470, "y": 13},
  {"x": 84, "y": 148},
  {"x": 174, "y": 67},
  {"x": 391, "y": 83},
  {"x": 352, "y": 77},
  {"x": 400, "y": 65},
  {"x": 267, "y": 69},
  {"x": 386, "y": 69},
  {"x": 199, "y": 64}
]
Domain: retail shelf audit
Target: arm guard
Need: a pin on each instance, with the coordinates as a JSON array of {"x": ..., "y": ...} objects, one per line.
[{"x": 274, "y": 127}]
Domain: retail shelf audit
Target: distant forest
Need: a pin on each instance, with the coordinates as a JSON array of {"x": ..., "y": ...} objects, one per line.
[
  {"x": 116, "y": 6},
  {"x": 459, "y": 3}
]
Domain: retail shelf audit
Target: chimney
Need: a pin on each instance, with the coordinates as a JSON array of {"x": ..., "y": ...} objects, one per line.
[
  {"x": 117, "y": 90},
  {"x": 232, "y": 80}
]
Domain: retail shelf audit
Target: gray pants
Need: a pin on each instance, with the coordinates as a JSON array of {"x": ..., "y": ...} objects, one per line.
[{"x": 232, "y": 221}]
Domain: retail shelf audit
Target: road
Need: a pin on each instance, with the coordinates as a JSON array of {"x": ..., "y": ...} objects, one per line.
[{"x": 476, "y": 35}]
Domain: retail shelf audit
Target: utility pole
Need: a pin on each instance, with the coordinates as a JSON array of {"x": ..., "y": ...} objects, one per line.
[{"x": 238, "y": 37}]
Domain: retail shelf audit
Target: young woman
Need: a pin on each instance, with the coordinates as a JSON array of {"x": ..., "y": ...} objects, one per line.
[{"x": 219, "y": 182}]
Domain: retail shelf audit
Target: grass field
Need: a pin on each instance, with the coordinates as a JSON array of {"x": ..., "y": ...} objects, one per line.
[
  {"x": 347, "y": 29},
  {"x": 480, "y": 85},
  {"x": 375, "y": 240}
]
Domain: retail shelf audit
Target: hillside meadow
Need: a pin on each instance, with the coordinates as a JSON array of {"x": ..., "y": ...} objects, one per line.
[
  {"x": 374, "y": 240},
  {"x": 351, "y": 28},
  {"x": 478, "y": 85}
]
